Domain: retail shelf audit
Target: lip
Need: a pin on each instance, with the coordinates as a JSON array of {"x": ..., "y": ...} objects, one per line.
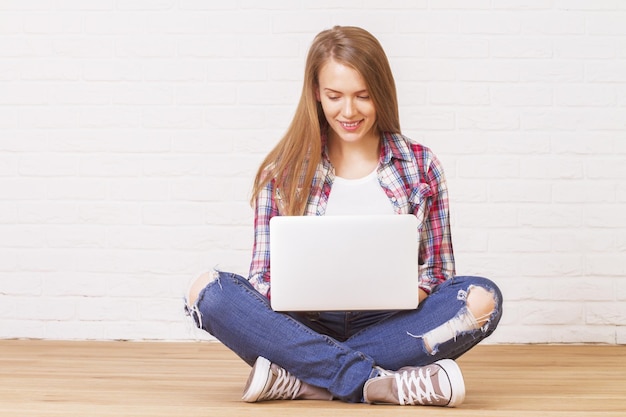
[{"x": 351, "y": 126}]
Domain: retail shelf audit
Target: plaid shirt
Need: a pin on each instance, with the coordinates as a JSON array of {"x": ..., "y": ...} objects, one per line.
[{"x": 413, "y": 179}]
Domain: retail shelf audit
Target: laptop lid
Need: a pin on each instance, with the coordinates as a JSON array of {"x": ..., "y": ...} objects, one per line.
[{"x": 344, "y": 263}]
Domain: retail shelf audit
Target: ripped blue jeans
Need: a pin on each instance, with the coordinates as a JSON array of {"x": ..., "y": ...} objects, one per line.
[{"x": 340, "y": 350}]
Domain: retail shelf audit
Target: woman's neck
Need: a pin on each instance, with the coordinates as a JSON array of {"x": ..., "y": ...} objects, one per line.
[{"x": 353, "y": 160}]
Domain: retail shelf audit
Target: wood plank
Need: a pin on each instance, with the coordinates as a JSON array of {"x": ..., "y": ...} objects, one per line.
[{"x": 54, "y": 378}]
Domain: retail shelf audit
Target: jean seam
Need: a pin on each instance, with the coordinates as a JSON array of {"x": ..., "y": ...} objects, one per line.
[{"x": 262, "y": 299}]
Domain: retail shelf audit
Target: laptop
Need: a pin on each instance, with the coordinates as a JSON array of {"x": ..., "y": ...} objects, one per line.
[{"x": 344, "y": 263}]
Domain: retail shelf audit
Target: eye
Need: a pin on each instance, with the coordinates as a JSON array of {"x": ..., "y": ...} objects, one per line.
[
  {"x": 364, "y": 97},
  {"x": 333, "y": 98}
]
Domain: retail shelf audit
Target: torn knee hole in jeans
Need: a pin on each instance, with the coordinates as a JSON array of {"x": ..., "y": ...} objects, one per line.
[
  {"x": 191, "y": 303},
  {"x": 464, "y": 321}
]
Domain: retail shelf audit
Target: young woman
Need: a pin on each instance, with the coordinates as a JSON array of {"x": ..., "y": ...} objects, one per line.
[{"x": 344, "y": 153}]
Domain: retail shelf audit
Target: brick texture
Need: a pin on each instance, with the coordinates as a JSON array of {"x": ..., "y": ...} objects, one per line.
[{"x": 130, "y": 132}]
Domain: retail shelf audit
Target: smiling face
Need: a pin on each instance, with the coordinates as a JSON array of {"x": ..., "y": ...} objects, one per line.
[{"x": 346, "y": 103}]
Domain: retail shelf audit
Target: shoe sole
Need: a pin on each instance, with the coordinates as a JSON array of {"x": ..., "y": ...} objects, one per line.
[
  {"x": 455, "y": 376},
  {"x": 258, "y": 380}
]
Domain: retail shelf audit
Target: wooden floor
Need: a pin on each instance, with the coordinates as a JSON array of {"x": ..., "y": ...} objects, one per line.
[{"x": 92, "y": 379}]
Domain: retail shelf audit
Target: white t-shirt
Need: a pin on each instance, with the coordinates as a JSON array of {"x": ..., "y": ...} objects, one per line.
[{"x": 358, "y": 196}]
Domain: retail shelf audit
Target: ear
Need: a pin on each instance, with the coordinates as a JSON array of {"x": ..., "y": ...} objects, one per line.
[{"x": 317, "y": 93}]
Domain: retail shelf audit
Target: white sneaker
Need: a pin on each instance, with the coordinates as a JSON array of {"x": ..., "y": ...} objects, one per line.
[
  {"x": 439, "y": 384},
  {"x": 268, "y": 381}
]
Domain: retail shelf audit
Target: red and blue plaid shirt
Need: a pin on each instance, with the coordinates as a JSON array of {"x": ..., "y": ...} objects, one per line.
[{"x": 413, "y": 179}]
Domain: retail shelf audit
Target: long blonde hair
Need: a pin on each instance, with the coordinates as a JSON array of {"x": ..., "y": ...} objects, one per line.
[{"x": 293, "y": 161}]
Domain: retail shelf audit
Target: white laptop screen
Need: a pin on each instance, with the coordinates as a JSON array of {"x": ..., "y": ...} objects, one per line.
[{"x": 344, "y": 263}]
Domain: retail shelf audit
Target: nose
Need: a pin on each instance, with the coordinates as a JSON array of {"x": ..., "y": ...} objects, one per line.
[{"x": 349, "y": 108}]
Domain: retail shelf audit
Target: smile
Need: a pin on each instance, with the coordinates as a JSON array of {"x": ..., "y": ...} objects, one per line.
[{"x": 351, "y": 125}]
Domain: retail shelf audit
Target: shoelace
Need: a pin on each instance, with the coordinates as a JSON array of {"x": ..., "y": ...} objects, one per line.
[
  {"x": 410, "y": 386},
  {"x": 285, "y": 386}
]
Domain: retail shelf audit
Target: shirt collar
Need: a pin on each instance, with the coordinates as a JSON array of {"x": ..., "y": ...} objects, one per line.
[{"x": 393, "y": 146}]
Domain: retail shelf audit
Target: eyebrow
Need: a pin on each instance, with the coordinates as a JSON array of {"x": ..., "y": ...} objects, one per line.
[{"x": 339, "y": 92}]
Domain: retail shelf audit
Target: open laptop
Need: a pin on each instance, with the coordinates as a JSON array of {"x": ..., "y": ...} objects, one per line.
[{"x": 344, "y": 263}]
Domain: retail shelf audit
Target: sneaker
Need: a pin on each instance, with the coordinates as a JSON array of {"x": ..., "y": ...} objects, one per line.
[
  {"x": 268, "y": 381},
  {"x": 440, "y": 384}
]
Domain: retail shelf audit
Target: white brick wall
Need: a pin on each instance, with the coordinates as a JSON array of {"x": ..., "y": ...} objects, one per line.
[{"x": 130, "y": 130}]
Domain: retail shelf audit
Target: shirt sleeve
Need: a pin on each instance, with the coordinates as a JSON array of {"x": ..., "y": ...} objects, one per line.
[
  {"x": 436, "y": 253},
  {"x": 265, "y": 209}
]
